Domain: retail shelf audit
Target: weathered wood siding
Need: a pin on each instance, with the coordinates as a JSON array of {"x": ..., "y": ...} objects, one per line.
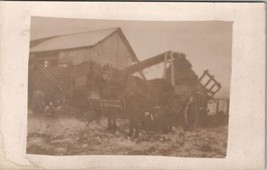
[{"x": 111, "y": 51}]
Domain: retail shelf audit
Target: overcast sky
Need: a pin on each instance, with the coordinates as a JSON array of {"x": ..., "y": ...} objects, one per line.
[{"x": 206, "y": 44}]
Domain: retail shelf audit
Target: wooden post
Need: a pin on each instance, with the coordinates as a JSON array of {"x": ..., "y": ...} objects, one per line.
[
  {"x": 212, "y": 86},
  {"x": 71, "y": 79},
  {"x": 172, "y": 69},
  {"x": 211, "y": 79},
  {"x": 203, "y": 75},
  {"x": 142, "y": 74},
  {"x": 165, "y": 65},
  {"x": 219, "y": 87}
]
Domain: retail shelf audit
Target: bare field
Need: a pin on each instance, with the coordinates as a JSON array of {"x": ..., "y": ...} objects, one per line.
[{"x": 65, "y": 135}]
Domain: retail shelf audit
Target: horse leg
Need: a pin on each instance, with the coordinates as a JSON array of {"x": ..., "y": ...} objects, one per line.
[
  {"x": 162, "y": 124},
  {"x": 130, "y": 134},
  {"x": 170, "y": 129},
  {"x": 136, "y": 131},
  {"x": 113, "y": 124},
  {"x": 109, "y": 124},
  {"x": 169, "y": 123},
  {"x": 98, "y": 116},
  {"x": 136, "y": 126}
]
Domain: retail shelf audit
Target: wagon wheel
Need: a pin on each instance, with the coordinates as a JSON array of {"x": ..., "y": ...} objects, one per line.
[{"x": 191, "y": 115}]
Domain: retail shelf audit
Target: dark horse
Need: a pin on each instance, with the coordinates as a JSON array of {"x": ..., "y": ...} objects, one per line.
[
  {"x": 136, "y": 97},
  {"x": 154, "y": 97}
]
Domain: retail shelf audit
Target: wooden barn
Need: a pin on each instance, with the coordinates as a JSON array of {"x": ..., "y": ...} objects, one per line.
[{"x": 60, "y": 63}]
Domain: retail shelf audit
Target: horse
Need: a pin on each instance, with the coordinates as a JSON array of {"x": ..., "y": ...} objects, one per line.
[
  {"x": 149, "y": 96},
  {"x": 137, "y": 97}
]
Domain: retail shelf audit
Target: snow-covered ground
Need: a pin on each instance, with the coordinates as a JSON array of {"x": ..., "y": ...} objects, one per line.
[{"x": 65, "y": 135}]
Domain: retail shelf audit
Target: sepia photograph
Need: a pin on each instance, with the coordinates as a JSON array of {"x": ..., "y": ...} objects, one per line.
[{"x": 128, "y": 87}]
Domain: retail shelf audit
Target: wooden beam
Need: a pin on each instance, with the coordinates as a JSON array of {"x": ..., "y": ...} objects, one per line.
[
  {"x": 219, "y": 87},
  {"x": 204, "y": 74},
  {"x": 172, "y": 69},
  {"x": 211, "y": 79},
  {"x": 165, "y": 65},
  {"x": 210, "y": 89}
]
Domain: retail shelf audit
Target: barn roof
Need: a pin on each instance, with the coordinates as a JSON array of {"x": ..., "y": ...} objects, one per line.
[{"x": 78, "y": 40}]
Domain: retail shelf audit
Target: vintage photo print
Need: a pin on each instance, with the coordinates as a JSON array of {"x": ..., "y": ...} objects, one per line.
[{"x": 122, "y": 87}]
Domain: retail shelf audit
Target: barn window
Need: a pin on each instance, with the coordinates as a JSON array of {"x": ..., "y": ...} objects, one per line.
[
  {"x": 49, "y": 63},
  {"x": 46, "y": 63}
]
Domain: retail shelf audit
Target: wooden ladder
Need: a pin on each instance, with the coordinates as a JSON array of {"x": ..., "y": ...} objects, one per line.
[
  {"x": 215, "y": 85},
  {"x": 51, "y": 78}
]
